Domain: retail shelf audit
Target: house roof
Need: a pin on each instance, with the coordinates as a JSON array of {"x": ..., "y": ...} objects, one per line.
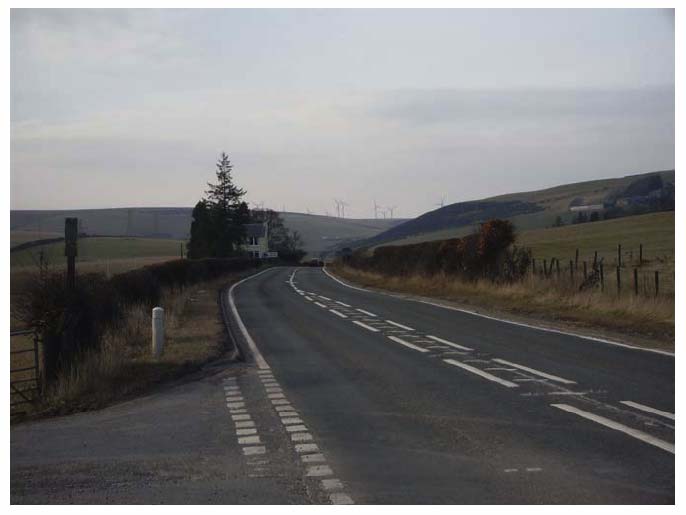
[{"x": 255, "y": 230}]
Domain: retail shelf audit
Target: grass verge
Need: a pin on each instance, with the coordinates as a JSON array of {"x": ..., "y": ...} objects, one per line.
[
  {"x": 649, "y": 321},
  {"x": 123, "y": 366}
]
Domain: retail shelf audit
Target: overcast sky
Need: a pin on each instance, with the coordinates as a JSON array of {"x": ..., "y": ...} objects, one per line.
[{"x": 119, "y": 108}]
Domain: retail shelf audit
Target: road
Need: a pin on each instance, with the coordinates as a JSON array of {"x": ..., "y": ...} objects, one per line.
[{"x": 357, "y": 396}]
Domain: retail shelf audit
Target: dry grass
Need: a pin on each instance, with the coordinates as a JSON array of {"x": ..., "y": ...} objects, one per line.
[
  {"x": 651, "y": 319},
  {"x": 123, "y": 365}
]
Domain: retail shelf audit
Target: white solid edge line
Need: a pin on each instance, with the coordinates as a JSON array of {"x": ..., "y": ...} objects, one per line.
[
  {"x": 441, "y": 340},
  {"x": 407, "y": 344},
  {"x": 648, "y": 409},
  {"x": 259, "y": 359},
  {"x": 399, "y": 325},
  {"x": 504, "y": 320},
  {"x": 481, "y": 373},
  {"x": 534, "y": 371},
  {"x": 338, "y": 313},
  {"x": 365, "y": 312},
  {"x": 367, "y": 327},
  {"x": 639, "y": 435}
]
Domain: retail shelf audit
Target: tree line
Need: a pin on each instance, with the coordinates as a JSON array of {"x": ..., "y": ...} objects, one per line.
[{"x": 219, "y": 219}]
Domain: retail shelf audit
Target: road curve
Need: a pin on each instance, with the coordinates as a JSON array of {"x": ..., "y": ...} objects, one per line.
[{"x": 412, "y": 403}]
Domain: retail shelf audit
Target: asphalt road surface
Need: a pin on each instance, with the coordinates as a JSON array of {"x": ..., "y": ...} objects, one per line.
[{"x": 356, "y": 396}]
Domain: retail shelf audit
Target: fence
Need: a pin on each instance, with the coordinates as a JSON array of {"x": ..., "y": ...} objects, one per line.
[
  {"x": 25, "y": 378},
  {"x": 626, "y": 273}
]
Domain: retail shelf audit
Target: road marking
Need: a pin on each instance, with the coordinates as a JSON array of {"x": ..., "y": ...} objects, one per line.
[
  {"x": 340, "y": 498},
  {"x": 248, "y": 440},
  {"x": 338, "y": 313},
  {"x": 301, "y": 437},
  {"x": 243, "y": 417},
  {"x": 245, "y": 423},
  {"x": 236, "y": 398},
  {"x": 510, "y": 470},
  {"x": 639, "y": 435},
  {"x": 332, "y": 484},
  {"x": 534, "y": 371},
  {"x": 280, "y": 402},
  {"x": 259, "y": 359},
  {"x": 399, "y": 325},
  {"x": 273, "y": 389},
  {"x": 504, "y": 320},
  {"x": 246, "y": 431},
  {"x": 296, "y": 428},
  {"x": 325, "y": 298},
  {"x": 319, "y": 470},
  {"x": 534, "y": 469},
  {"x": 312, "y": 458},
  {"x": 284, "y": 407},
  {"x": 481, "y": 373},
  {"x": 306, "y": 447},
  {"x": 366, "y": 312},
  {"x": 648, "y": 409},
  {"x": 291, "y": 420},
  {"x": 343, "y": 304},
  {"x": 367, "y": 327},
  {"x": 407, "y": 344},
  {"x": 503, "y": 369},
  {"x": 309, "y": 298},
  {"x": 235, "y": 405},
  {"x": 320, "y": 305},
  {"x": 258, "y": 449},
  {"x": 451, "y": 344},
  {"x": 276, "y": 396}
]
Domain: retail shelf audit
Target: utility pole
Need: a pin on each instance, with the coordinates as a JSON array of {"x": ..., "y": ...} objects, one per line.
[{"x": 71, "y": 234}]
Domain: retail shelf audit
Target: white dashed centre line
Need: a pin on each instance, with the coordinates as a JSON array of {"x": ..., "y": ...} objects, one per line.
[
  {"x": 399, "y": 325},
  {"x": 367, "y": 327},
  {"x": 451, "y": 344},
  {"x": 534, "y": 371},
  {"x": 481, "y": 373},
  {"x": 648, "y": 409},
  {"x": 407, "y": 344},
  {"x": 639, "y": 435}
]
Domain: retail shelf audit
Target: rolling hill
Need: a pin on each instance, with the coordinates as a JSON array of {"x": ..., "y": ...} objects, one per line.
[
  {"x": 527, "y": 210},
  {"x": 319, "y": 233}
]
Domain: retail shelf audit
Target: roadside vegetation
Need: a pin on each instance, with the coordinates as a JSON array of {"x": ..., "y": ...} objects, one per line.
[{"x": 487, "y": 270}]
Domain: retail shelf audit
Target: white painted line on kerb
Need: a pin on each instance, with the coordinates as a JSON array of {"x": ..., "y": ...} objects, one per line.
[
  {"x": 481, "y": 373},
  {"x": 407, "y": 344},
  {"x": 338, "y": 313},
  {"x": 367, "y": 327},
  {"x": 441, "y": 340},
  {"x": 399, "y": 325},
  {"x": 534, "y": 371},
  {"x": 365, "y": 312},
  {"x": 504, "y": 320},
  {"x": 320, "y": 305},
  {"x": 648, "y": 409},
  {"x": 259, "y": 360},
  {"x": 639, "y": 435},
  {"x": 343, "y": 304}
]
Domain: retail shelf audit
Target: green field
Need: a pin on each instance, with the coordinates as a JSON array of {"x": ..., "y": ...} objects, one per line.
[{"x": 99, "y": 250}]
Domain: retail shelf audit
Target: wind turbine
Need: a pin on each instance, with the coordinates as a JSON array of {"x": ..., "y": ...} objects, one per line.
[
  {"x": 343, "y": 204},
  {"x": 392, "y": 210},
  {"x": 376, "y": 209},
  {"x": 442, "y": 201}
]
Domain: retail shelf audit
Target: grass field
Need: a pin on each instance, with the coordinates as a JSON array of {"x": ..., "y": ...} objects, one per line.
[
  {"x": 19, "y": 237},
  {"x": 99, "y": 250}
]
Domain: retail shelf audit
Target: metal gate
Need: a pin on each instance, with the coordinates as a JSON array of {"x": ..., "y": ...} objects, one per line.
[{"x": 25, "y": 380}]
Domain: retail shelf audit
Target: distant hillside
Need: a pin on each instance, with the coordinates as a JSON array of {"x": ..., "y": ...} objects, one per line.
[
  {"x": 527, "y": 210},
  {"x": 319, "y": 233}
]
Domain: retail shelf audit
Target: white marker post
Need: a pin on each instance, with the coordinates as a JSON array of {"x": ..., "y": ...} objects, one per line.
[{"x": 157, "y": 332}]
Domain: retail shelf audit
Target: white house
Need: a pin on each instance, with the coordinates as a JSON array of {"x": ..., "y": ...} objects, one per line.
[{"x": 257, "y": 240}]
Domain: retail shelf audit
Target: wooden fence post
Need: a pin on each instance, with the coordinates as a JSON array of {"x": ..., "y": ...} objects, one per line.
[
  {"x": 557, "y": 266},
  {"x": 602, "y": 277},
  {"x": 571, "y": 271},
  {"x": 545, "y": 268},
  {"x": 640, "y": 254},
  {"x": 619, "y": 255},
  {"x": 533, "y": 265},
  {"x": 595, "y": 259},
  {"x": 636, "y": 281},
  {"x": 657, "y": 282},
  {"x": 585, "y": 271},
  {"x": 619, "y": 281},
  {"x": 576, "y": 260}
]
